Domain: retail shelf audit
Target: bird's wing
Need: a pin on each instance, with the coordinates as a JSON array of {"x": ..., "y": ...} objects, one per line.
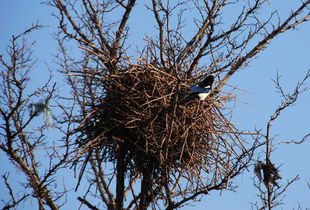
[
  {"x": 195, "y": 88},
  {"x": 48, "y": 117},
  {"x": 199, "y": 89},
  {"x": 257, "y": 171}
]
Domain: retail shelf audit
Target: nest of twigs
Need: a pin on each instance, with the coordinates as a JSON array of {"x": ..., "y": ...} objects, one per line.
[{"x": 139, "y": 113}]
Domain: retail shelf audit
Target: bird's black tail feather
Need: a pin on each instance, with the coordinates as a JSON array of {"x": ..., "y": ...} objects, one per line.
[{"x": 187, "y": 98}]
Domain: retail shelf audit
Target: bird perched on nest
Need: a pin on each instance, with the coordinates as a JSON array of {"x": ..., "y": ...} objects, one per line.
[{"x": 201, "y": 90}]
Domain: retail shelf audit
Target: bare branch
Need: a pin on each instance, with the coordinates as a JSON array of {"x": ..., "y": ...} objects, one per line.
[{"x": 286, "y": 25}]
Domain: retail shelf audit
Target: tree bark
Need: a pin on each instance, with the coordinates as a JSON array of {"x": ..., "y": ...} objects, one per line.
[{"x": 121, "y": 168}]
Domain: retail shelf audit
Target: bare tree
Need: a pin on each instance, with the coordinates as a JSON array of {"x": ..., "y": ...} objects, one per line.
[
  {"x": 133, "y": 143},
  {"x": 18, "y": 141},
  {"x": 267, "y": 172}
]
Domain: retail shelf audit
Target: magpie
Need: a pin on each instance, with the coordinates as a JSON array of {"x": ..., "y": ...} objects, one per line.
[
  {"x": 201, "y": 90},
  {"x": 270, "y": 173},
  {"x": 35, "y": 109}
]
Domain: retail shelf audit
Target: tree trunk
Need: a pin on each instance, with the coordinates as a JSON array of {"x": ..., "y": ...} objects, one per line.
[
  {"x": 145, "y": 189},
  {"x": 121, "y": 168}
]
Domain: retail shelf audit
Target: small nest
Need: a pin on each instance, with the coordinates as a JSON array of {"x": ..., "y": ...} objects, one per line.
[{"x": 139, "y": 113}]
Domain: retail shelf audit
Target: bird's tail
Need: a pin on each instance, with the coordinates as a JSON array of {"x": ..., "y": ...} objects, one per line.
[{"x": 187, "y": 98}]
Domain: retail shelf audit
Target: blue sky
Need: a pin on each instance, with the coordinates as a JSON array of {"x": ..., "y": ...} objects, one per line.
[{"x": 288, "y": 55}]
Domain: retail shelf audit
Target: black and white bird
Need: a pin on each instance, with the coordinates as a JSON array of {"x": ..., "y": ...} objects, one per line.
[
  {"x": 267, "y": 173},
  {"x": 35, "y": 109},
  {"x": 201, "y": 90}
]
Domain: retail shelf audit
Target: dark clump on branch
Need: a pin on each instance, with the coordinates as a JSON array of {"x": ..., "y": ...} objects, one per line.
[{"x": 138, "y": 115}]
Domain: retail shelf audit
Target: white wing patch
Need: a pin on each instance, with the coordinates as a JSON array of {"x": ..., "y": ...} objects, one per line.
[{"x": 203, "y": 96}]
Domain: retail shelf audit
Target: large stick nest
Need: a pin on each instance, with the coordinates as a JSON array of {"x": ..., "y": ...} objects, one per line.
[{"x": 139, "y": 114}]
